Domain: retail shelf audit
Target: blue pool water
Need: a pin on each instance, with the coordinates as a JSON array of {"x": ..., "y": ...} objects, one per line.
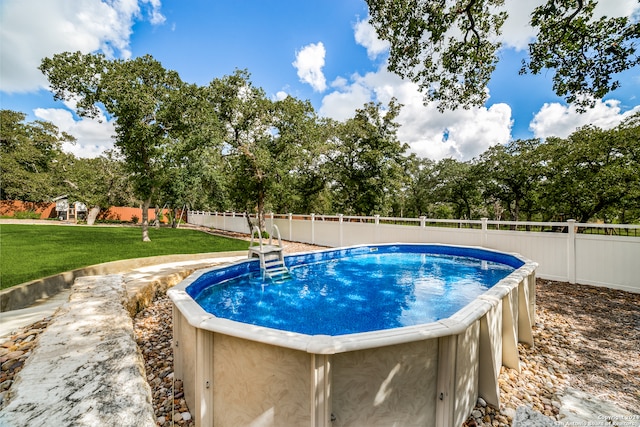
[{"x": 356, "y": 291}]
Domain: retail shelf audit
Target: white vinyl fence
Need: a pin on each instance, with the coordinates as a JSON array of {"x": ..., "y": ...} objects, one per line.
[{"x": 594, "y": 254}]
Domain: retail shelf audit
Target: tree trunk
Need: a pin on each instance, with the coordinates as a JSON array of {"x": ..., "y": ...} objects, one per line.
[
  {"x": 156, "y": 222},
  {"x": 249, "y": 223},
  {"x": 173, "y": 213},
  {"x": 145, "y": 220},
  {"x": 261, "y": 220},
  {"x": 92, "y": 215}
]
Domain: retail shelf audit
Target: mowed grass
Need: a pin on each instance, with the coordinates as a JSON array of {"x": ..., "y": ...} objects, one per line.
[{"x": 29, "y": 252}]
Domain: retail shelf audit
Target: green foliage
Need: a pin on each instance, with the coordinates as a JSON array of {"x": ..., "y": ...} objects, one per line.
[
  {"x": 367, "y": 161},
  {"x": 227, "y": 146},
  {"x": 585, "y": 53},
  {"x": 449, "y": 48},
  {"x": 152, "y": 107},
  {"x": 30, "y": 252},
  {"x": 26, "y": 215},
  {"x": 100, "y": 181},
  {"x": 511, "y": 176},
  {"x": 267, "y": 144},
  {"x": 264, "y": 234},
  {"x": 457, "y": 184},
  {"x": 29, "y": 153},
  {"x": 593, "y": 174}
]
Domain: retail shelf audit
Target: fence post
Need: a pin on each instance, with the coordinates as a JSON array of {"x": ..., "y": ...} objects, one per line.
[
  {"x": 340, "y": 221},
  {"x": 291, "y": 226},
  {"x": 571, "y": 250},
  {"x": 423, "y": 229},
  {"x": 376, "y": 232},
  {"x": 484, "y": 231},
  {"x": 313, "y": 229}
]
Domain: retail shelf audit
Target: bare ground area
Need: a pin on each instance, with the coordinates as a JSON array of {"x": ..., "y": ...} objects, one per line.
[{"x": 596, "y": 333}]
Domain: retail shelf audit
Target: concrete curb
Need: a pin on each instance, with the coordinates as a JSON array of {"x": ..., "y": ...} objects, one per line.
[{"x": 24, "y": 295}]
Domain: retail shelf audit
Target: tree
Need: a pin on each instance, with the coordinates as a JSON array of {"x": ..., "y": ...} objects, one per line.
[
  {"x": 300, "y": 140},
  {"x": 593, "y": 172},
  {"x": 420, "y": 200},
  {"x": 193, "y": 172},
  {"x": 97, "y": 182},
  {"x": 450, "y": 48},
  {"x": 368, "y": 161},
  {"x": 457, "y": 184},
  {"x": 511, "y": 174},
  {"x": 244, "y": 111},
  {"x": 585, "y": 53},
  {"x": 145, "y": 99},
  {"x": 29, "y": 152},
  {"x": 267, "y": 144},
  {"x": 627, "y": 137}
]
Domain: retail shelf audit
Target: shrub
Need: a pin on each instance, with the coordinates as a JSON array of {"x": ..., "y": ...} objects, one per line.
[
  {"x": 26, "y": 215},
  {"x": 265, "y": 235}
]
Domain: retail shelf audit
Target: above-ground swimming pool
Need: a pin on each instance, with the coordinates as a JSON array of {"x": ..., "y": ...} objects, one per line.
[{"x": 392, "y": 334}]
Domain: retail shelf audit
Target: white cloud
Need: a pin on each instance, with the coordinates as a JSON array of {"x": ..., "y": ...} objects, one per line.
[
  {"x": 341, "y": 104},
  {"x": 155, "y": 16},
  {"x": 468, "y": 132},
  {"x": 555, "y": 119},
  {"x": 33, "y": 29},
  {"x": 309, "y": 62},
  {"x": 617, "y": 8},
  {"x": 280, "y": 95},
  {"x": 516, "y": 31},
  {"x": 93, "y": 136},
  {"x": 366, "y": 36}
]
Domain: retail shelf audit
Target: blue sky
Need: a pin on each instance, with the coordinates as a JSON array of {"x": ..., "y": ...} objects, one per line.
[{"x": 321, "y": 50}]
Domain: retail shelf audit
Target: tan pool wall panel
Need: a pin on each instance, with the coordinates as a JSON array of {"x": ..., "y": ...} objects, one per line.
[
  {"x": 467, "y": 368},
  {"x": 184, "y": 358},
  {"x": 393, "y": 385},
  {"x": 260, "y": 384}
]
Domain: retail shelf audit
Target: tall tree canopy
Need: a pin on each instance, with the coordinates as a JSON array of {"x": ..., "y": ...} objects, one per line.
[
  {"x": 368, "y": 161},
  {"x": 98, "y": 182},
  {"x": 147, "y": 101},
  {"x": 450, "y": 48},
  {"x": 593, "y": 173},
  {"x": 29, "y": 153},
  {"x": 267, "y": 144},
  {"x": 245, "y": 113},
  {"x": 511, "y": 174}
]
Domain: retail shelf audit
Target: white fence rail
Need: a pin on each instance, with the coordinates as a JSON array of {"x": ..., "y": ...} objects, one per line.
[{"x": 594, "y": 254}]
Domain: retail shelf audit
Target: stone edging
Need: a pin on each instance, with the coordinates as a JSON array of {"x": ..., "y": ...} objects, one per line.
[{"x": 25, "y": 294}]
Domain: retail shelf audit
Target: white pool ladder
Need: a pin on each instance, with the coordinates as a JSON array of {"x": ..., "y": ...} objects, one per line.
[{"x": 271, "y": 256}]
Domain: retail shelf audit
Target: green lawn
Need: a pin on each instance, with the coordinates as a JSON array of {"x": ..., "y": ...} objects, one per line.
[{"x": 29, "y": 252}]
